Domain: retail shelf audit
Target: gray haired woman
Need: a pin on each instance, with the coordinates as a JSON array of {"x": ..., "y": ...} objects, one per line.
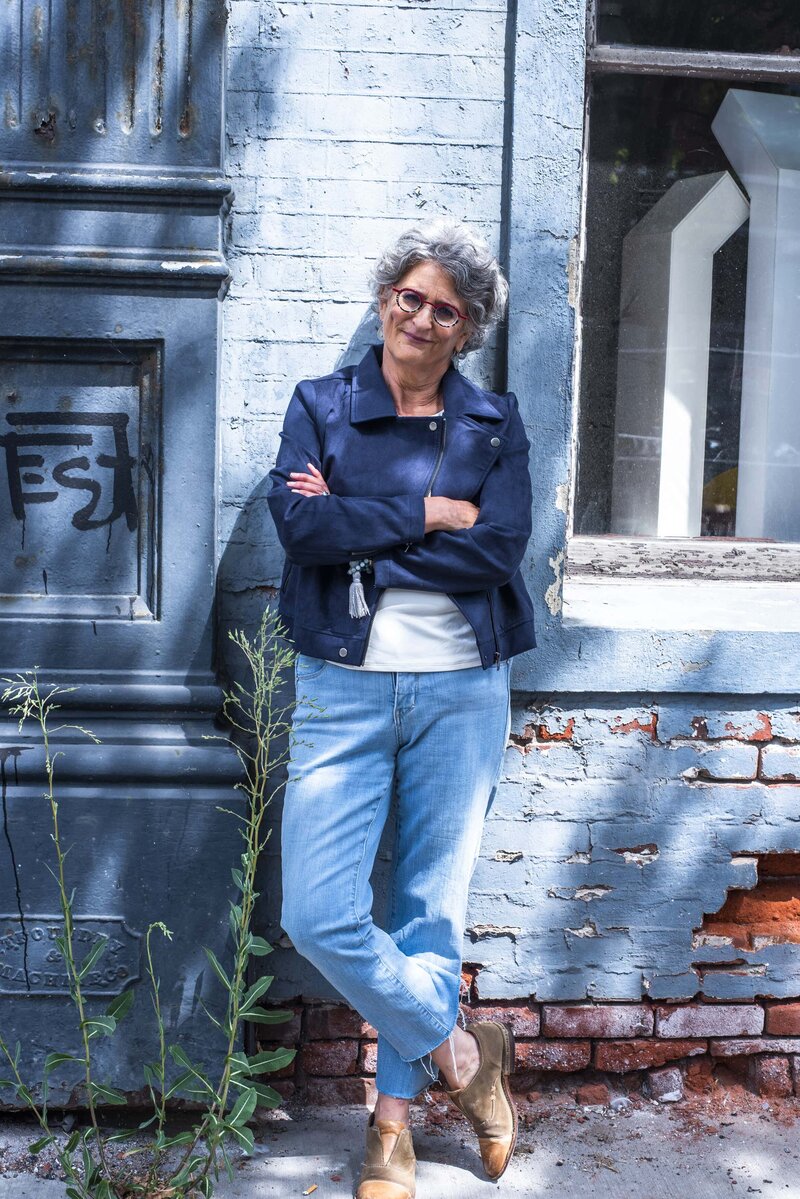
[{"x": 402, "y": 498}]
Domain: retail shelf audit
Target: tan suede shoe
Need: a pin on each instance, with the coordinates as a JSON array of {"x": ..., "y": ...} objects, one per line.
[
  {"x": 390, "y": 1165},
  {"x": 486, "y": 1100}
]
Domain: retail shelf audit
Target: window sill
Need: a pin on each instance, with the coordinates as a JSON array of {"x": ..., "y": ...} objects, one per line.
[{"x": 682, "y": 604}]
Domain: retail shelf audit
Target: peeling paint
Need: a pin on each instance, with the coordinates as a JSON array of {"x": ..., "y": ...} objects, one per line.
[
  {"x": 639, "y": 855},
  {"x": 554, "y": 595},
  {"x": 589, "y": 929},
  {"x": 479, "y": 932},
  {"x": 562, "y": 496},
  {"x": 596, "y": 892},
  {"x": 508, "y": 855}
]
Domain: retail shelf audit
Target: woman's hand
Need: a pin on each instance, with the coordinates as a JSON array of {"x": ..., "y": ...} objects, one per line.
[
  {"x": 448, "y": 516},
  {"x": 308, "y": 484}
]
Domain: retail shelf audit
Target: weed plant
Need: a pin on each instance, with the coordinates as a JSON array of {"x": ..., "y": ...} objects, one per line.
[{"x": 189, "y": 1162}]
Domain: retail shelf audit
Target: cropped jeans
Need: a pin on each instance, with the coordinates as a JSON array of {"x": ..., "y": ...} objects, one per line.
[{"x": 435, "y": 742}]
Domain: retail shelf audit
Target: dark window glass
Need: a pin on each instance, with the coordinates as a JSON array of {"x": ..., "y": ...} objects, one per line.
[
  {"x": 746, "y": 26},
  {"x": 648, "y": 134}
]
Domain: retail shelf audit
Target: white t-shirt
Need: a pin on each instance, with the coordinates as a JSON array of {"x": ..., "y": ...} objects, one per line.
[{"x": 419, "y": 630}]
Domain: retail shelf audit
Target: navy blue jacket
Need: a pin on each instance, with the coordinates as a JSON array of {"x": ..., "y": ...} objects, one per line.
[{"x": 379, "y": 467}]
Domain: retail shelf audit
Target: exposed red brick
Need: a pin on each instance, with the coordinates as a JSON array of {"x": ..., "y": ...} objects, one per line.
[
  {"x": 330, "y": 1058},
  {"x": 699, "y": 1076},
  {"x": 589, "y": 1020},
  {"x": 330, "y": 1092},
  {"x": 783, "y": 1019},
  {"x": 699, "y": 728},
  {"x": 524, "y": 1020},
  {"x": 593, "y": 1093},
  {"x": 546, "y": 734},
  {"x": 748, "y": 1046},
  {"x": 709, "y": 1020},
  {"x": 620, "y": 1056},
  {"x": 332, "y": 1021},
  {"x": 636, "y": 726},
  {"x": 469, "y": 981},
  {"x": 761, "y": 732},
  {"x": 563, "y": 1056},
  {"x": 368, "y": 1057},
  {"x": 770, "y": 909},
  {"x": 771, "y": 1076}
]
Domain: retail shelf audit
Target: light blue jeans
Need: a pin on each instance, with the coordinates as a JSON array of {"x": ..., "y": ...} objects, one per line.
[{"x": 435, "y": 741}]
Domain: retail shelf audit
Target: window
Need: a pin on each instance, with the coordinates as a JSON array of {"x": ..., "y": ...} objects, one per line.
[{"x": 688, "y": 420}]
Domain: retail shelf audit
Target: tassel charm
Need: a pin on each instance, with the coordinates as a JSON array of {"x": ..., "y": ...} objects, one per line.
[{"x": 358, "y": 604}]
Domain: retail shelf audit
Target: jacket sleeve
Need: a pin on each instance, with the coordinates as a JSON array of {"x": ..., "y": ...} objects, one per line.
[
  {"x": 327, "y": 530},
  {"x": 489, "y": 553}
]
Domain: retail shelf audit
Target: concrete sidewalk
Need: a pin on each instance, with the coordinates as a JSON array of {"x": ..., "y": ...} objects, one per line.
[{"x": 645, "y": 1151}]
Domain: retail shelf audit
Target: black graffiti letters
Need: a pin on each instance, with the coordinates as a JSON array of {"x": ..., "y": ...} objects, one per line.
[{"x": 75, "y": 426}]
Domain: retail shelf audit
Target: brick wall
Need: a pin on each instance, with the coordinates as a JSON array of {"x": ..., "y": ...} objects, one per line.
[{"x": 593, "y": 1049}]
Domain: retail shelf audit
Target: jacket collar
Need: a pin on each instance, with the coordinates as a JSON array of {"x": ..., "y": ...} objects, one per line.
[{"x": 372, "y": 400}]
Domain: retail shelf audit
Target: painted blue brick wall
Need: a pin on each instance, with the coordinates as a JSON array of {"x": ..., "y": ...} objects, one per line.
[{"x": 621, "y": 820}]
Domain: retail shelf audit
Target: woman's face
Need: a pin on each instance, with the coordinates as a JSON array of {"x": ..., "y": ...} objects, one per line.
[{"x": 413, "y": 339}]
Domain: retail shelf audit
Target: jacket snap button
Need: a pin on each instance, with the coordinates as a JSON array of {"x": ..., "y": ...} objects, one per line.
[
  {"x": 433, "y": 425},
  {"x": 342, "y": 652},
  {"x": 495, "y": 442}
]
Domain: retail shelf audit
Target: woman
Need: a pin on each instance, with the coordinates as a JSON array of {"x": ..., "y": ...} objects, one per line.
[{"x": 401, "y": 496}]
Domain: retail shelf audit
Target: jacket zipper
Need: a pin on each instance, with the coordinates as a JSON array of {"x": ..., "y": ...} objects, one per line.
[
  {"x": 439, "y": 458},
  {"x": 494, "y": 631}
]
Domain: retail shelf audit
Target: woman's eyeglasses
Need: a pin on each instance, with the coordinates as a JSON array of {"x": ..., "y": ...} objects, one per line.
[{"x": 411, "y": 301}]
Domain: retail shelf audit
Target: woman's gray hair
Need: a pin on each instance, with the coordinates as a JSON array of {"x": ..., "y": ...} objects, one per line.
[{"x": 468, "y": 261}]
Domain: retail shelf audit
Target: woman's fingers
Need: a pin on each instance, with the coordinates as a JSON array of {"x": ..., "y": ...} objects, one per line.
[{"x": 307, "y": 484}]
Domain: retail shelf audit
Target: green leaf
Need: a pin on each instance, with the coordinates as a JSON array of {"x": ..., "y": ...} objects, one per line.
[
  {"x": 261, "y": 1015},
  {"x": 180, "y": 1138},
  {"x": 104, "y": 1094},
  {"x": 104, "y": 1025},
  {"x": 74, "y": 1193},
  {"x": 120, "y": 1005},
  {"x": 181, "y": 1081},
  {"x": 269, "y": 1060},
  {"x": 266, "y": 1096},
  {"x": 92, "y": 957},
  {"x": 220, "y": 973},
  {"x": 178, "y": 1056},
  {"x": 243, "y": 1108},
  {"x": 237, "y": 878},
  {"x": 255, "y": 992},
  {"x": 24, "y": 1094},
  {"x": 73, "y": 1142},
  {"x": 258, "y": 947},
  {"x": 238, "y": 1061},
  {"x": 41, "y": 1144},
  {"x": 124, "y": 1134},
  {"x": 57, "y": 1059},
  {"x": 243, "y": 1135}
]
